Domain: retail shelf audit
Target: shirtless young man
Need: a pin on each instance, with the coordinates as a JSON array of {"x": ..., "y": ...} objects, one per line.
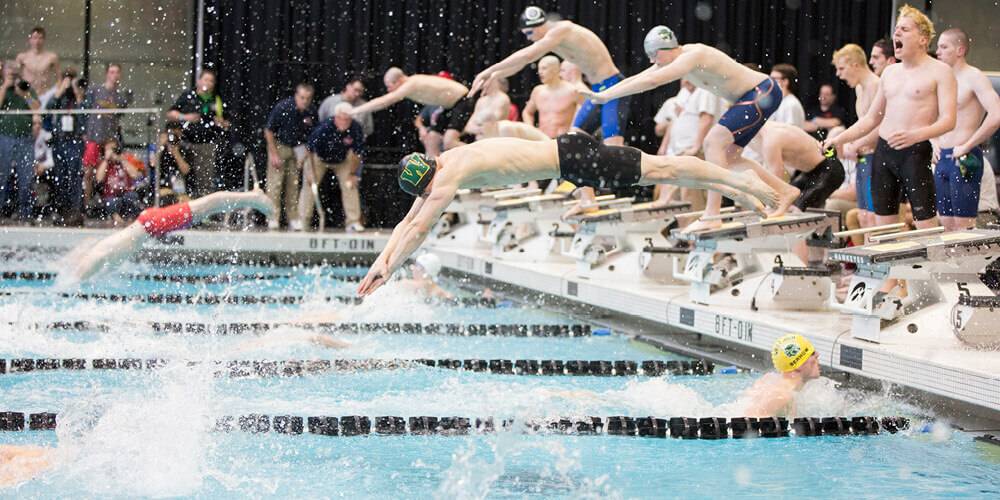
[
  {"x": 784, "y": 148},
  {"x": 555, "y": 100},
  {"x": 39, "y": 66},
  {"x": 959, "y": 172},
  {"x": 756, "y": 97},
  {"x": 915, "y": 102},
  {"x": 154, "y": 223},
  {"x": 492, "y": 106},
  {"x": 575, "y": 157},
  {"x": 573, "y": 43},
  {"x": 882, "y": 56},
  {"x": 854, "y": 71},
  {"x": 427, "y": 90},
  {"x": 796, "y": 362}
]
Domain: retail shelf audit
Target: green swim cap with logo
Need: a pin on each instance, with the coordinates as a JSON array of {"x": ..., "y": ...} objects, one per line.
[{"x": 416, "y": 170}]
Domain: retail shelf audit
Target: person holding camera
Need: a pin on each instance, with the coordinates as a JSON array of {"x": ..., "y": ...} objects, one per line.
[
  {"x": 118, "y": 177},
  {"x": 101, "y": 127},
  {"x": 173, "y": 162},
  {"x": 17, "y": 134},
  {"x": 67, "y": 147}
]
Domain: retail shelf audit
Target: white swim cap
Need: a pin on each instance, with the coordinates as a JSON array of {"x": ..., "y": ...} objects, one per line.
[
  {"x": 430, "y": 263},
  {"x": 658, "y": 38}
]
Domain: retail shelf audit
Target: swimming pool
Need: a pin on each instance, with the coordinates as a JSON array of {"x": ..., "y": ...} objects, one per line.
[{"x": 127, "y": 433}]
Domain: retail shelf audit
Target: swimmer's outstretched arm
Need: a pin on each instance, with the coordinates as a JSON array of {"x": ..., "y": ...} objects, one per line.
[
  {"x": 21, "y": 463},
  {"x": 413, "y": 234},
  {"x": 647, "y": 80},
  {"x": 521, "y": 58},
  {"x": 384, "y": 101}
]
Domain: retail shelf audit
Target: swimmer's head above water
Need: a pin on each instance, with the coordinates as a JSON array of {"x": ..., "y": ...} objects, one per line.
[
  {"x": 658, "y": 39},
  {"x": 794, "y": 354},
  {"x": 429, "y": 264},
  {"x": 416, "y": 171}
]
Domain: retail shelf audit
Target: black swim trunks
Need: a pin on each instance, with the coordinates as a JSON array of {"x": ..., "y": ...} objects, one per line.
[
  {"x": 819, "y": 183},
  {"x": 909, "y": 169},
  {"x": 586, "y": 162},
  {"x": 454, "y": 117}
]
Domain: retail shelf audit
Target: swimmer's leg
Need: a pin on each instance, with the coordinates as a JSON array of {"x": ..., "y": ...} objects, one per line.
[
  {"x": 689, "y": 171},
  {"x": 226, "y": 201}
]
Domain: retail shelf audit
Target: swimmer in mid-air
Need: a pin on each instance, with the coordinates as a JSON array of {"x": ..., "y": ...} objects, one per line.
[
  {"x": 755, "y": 96},
  {"x": 154, "y": 223},
  {"x": 575, "y": 157}
]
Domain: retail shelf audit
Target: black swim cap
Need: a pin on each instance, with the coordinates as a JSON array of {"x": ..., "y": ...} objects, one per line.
[
  {"x": 531, "y": 17},
  {"x": 415, "y": 172}
]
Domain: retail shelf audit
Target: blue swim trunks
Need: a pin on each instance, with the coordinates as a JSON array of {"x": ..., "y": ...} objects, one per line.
[
  {"x": 957, "y": 183},
  {"x": 863, "y": 182},
  {"x": 748, "y": 114},
  {"x": 611, "y": 117}
]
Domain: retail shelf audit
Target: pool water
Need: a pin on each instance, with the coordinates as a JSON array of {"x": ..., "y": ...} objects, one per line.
[{"x": 125, "y": 434}]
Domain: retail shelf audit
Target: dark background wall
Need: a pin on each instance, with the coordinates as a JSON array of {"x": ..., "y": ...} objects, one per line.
[{"x": 263, "y": 47}]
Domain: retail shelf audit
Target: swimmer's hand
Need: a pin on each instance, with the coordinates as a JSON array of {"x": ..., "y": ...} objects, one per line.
[
  {"x": 481, "y": 80},
  {"x": 828, "y": 143},
  {"x": 902, "y": 139},
  {"x": 594, "y": 97},
  {"x": 377, "y": 275},
  {"x": 959, "y": 151}
]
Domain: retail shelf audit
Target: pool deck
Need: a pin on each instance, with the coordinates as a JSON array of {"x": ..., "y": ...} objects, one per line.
[{"x": 930, "y": 362}]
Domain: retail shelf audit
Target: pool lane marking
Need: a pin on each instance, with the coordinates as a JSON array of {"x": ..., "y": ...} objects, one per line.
[
  {"x": 214, "y": 299},
  {"x": 710, "y": 428},
  {"x": 243, "y": 328},
  {"x": 176, "y": 278},
  {"x": 296, "y": 368}
]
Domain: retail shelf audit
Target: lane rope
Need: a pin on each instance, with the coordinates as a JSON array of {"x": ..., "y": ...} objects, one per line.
[
  {"x": 297, "y": 368},
  {"x": 710, "y": 428},
  {"x": 245, "y": 328}
]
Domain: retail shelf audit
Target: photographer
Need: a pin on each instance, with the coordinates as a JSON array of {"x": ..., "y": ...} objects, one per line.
[
  {"x": 16, "y": 140},
  {"x": 67, "y": 147},
  {"x": 173, "y": 163},
  {"x": 118, "y": 178}
]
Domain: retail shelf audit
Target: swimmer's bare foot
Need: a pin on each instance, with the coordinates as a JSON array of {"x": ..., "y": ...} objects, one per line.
[
  {"x": 743, "y": 199},
  {"x": 786, "y": 197},
  {"x": 755, "y": 186},
  {"x": 579, "y": 209},
  {"x": 702, "y": 225}
]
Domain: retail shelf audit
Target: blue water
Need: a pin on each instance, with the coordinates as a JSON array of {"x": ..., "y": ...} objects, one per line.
[{"x": 147, "y": 433}]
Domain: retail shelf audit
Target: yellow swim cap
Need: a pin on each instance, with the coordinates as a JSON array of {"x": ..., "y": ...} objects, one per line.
[{"x": 790, "y": 352}]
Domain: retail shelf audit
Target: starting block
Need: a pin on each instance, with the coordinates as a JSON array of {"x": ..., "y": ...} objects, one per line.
[
  {"x": 944, "y": 290},
  {"x": 732, "y": 261},
  {"x": 464, "y": 213},
  {"x": 611, "y": 231}
]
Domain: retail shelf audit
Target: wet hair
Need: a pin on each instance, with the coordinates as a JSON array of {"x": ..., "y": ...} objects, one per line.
[
  {"x": 887, "y": 49},
  {"x": 38, "y": 29},
  {"x": 960, "y": 37},
  {"x": 853, "y": 53},
  {"x": 923, "y": 23},
  {"x": 791, "y": 73}
]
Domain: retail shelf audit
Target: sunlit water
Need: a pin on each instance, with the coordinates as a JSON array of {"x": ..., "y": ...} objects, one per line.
[{"x": 148, "y": 433}]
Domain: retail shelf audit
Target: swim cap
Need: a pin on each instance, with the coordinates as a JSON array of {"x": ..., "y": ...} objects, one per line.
[
  {"x": 415, "y": 172},
  {"x": 431, "y": 264},
  {"x": 658, "y": 38},
  {"x": 791, "y": 352},
  {"x": 445, "y": 74},
  {"x": 531, "y": 17}
]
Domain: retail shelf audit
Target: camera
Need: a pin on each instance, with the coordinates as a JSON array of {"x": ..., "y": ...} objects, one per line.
[
  {"x": 23, "y": 86},
  {"x": 172, "y": 138}
]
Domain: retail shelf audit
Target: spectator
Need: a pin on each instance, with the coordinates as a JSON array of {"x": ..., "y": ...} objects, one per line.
[
  {"x": 204, "y": 118},
  {"x": 337, "y": 143},
  {"x": 492, "y": 106},
  {"x": 352, "y": 94},
  {"x": 118, "y": 178},
  {"x": 67, "y": 147},
  {"x": 173, "y": 161},
  {"x": 39, "y": 66},
  {"x": 16, "y": 140},
  {"x": 554, "y": 99},
  {"x": 286, "y": 132},
  {"x": 99, "y": 128},
  {"x": 827, "y": 116},
  {"x": 883, "y": 54},
  {"x": 790, "y": 111}
]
